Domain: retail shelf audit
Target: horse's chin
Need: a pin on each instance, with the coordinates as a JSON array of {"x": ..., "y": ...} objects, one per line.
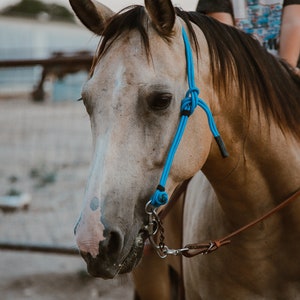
[
  {"x": 132, "y": 259},
  {"x": 97, "y": 267}
]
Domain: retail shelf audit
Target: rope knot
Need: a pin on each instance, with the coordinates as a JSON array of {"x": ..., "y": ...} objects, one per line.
[
  {"x": 190, "y": 102},
  {"x": 160, "y": 197},
  {"x": 192, "y": 92}
]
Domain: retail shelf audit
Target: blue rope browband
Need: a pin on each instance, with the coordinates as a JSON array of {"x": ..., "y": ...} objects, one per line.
[{"x": 188, "y": 105}]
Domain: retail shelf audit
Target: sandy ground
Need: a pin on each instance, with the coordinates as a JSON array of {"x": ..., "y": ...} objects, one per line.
[{"x": 45, "y": 151}]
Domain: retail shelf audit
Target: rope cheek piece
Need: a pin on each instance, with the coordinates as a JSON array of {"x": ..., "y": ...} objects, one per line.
[
  {"x": 160, "y": 196},
  {"x": 188, "y": 105}
]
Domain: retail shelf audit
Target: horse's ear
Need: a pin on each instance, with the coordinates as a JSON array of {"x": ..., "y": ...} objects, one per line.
[
  {"x": 162, "y": 15},
  {"x": 92, "y": 14}
]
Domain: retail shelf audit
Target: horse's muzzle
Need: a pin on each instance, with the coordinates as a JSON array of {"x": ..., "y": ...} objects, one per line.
[
  {"x": 109, "y": 252},
  {"x": 108, "y": 263},
  {"x": 98, "y": 267}
]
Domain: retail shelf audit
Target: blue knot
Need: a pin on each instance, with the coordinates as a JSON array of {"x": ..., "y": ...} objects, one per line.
[
  {"x": 193, "y": 91},
  {"x": 190, "y": 102},
  {"x": 159, "y": 198}
]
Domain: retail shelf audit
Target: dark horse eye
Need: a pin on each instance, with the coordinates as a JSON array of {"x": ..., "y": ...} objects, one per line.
[{"x": 160, "y": 101}]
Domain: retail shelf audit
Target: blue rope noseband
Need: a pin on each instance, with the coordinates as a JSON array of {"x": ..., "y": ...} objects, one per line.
[{"x": 188, "y": 105}]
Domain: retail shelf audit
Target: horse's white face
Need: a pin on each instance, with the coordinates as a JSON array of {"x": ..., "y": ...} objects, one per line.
[{"x": 134, "y": 106}]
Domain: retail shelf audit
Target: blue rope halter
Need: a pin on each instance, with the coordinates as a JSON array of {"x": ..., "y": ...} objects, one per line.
[{"x": 188, "y": 105}]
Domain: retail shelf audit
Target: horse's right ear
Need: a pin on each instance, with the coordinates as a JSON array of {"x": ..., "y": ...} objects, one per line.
[
  {"x": 92, "y": 14},
  {"x": 162, "y": 15}
]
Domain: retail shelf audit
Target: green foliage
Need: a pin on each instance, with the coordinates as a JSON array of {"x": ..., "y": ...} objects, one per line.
[
  {"x": 60, "y": 12},
  {"x": 34, "y": 8},
  {"x": 13, "y": 192}
]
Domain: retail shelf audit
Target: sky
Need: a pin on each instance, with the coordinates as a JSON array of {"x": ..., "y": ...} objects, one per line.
[{"x": 115, "y": 5}]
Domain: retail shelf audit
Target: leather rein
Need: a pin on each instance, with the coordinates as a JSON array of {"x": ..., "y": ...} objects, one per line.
[{"x": 192, "y": 250}]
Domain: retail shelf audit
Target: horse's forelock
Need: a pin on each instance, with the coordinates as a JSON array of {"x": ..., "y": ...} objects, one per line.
[{"x": 130, "y": 18}]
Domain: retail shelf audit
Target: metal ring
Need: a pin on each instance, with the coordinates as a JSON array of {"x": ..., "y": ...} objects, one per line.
[{"x": 149, "y": 209}]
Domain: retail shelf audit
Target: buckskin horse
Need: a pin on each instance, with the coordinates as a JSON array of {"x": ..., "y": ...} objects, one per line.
[{"x": 175, "y": 95}]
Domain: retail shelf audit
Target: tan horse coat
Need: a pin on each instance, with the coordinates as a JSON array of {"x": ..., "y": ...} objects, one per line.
[{"x": 263, "y": 168}]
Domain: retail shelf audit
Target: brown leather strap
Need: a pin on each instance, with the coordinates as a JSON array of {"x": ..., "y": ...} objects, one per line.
[
  {"x": 206, "y": 248},
  {"x": 176, "y": 194},
  {"x": 179, "y": 191}
]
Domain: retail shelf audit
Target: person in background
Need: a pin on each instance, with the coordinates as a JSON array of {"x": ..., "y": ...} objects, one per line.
[
  {"x": 289, "y": 47},
  {"x": 269, "y": 21}
]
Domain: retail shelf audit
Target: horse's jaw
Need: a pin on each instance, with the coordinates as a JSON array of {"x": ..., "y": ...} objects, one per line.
[{"x": 108, "y": 266}]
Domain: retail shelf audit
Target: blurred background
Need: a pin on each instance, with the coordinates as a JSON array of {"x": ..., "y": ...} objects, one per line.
[
  {"x": 45, "y": 150},
  {"x": 43, "y": 29}
]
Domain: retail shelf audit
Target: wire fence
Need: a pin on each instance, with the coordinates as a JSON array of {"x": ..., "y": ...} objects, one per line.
[
  {"x": 45, "y": 147},
  {"x": 45, "y": 152},
  {"x": 33, "y": 39}
]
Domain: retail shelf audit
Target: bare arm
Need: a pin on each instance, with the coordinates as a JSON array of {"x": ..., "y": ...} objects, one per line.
[
  {"x": 222, "y": 17},
  {"x": 289, "y": 48}
]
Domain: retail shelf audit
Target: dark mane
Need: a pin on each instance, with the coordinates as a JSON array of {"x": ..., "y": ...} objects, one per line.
[{"x": 235, "y": 56}]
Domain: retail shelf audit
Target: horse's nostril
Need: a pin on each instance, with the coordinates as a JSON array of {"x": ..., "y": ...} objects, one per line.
[
  {"x": 112, "y": 245},
  {"x": 115, "y": 242}
]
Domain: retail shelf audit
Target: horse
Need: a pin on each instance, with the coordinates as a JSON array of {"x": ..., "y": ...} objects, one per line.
[{"x": 134, "y": 97}]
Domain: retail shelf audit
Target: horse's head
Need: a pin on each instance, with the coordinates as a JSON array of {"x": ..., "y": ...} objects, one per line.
[{"x": 133, "y": 99}]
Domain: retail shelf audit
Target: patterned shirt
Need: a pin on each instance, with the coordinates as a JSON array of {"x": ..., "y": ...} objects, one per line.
[{"x": 260, "y": 18}]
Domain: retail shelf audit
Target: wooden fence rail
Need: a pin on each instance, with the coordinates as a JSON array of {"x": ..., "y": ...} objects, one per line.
[
  {"x": 59, "y": 65},
  {"x": 30, "y": 247},
  {"x": 83, "y": 61}
]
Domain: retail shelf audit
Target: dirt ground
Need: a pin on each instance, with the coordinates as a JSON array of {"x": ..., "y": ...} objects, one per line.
[{"x": 45, "y": 151}]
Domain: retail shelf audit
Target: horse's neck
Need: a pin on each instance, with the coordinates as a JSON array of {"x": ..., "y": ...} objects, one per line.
[{"x": 263, "y": 169}]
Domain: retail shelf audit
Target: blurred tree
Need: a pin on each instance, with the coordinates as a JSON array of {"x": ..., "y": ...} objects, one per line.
[{"x": 34, "y": 8}]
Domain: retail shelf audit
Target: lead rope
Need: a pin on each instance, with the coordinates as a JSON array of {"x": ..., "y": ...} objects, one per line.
[
  {"x": 191, "y": 250},
  {"x": 188, "y": 105}
]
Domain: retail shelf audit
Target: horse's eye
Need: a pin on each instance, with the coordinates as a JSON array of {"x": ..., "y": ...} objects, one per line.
[
  {"x": 87, "y": 106},
  {"x": 160, "y": 101}
]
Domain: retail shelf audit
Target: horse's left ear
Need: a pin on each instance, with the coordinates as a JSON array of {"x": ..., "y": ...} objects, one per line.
[
  {"x": 92, "y": 14},
  {"x": 162, "y": 15}
]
